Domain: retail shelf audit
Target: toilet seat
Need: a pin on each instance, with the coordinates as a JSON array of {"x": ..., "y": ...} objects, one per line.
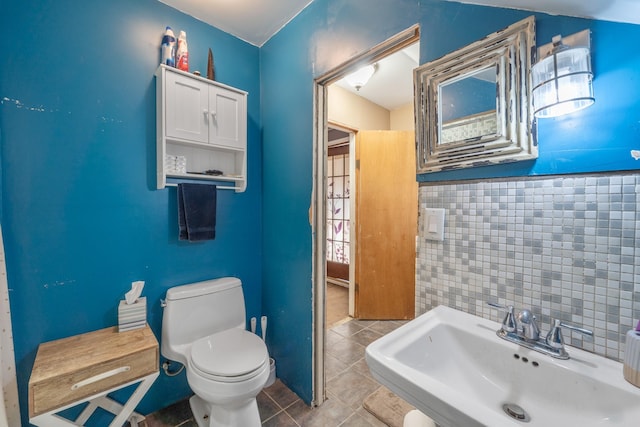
[{"x": 232, "y": 355}]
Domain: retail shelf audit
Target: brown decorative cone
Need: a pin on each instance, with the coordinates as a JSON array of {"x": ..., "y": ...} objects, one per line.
[{"x": 211, "y": 72}]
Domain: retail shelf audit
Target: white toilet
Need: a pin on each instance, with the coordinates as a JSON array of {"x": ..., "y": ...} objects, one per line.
[{"x": 203, "y": 327}]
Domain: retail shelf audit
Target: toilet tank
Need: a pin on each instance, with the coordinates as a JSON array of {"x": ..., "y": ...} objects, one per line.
[{"x": 199, "y": 309}]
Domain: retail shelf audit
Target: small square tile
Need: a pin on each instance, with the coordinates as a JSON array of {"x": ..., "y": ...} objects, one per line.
[{"x": 555, "y": 245}]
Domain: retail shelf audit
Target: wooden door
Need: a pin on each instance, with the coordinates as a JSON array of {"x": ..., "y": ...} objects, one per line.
[{"x": 386, "y": 225}]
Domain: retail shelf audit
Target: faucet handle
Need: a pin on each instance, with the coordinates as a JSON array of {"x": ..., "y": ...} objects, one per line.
[
  {"x": 509, "y": 322},
  {"x": 554, "y": 337}
]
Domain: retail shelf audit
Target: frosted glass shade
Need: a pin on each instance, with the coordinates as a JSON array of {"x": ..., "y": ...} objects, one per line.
[
  {"x": 562, "y": 82},
  {"x": 361, "y": 77}
]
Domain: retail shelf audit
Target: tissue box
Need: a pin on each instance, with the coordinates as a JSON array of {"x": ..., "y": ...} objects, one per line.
[
  {"x": 132, "y": 316},
  {"x": 631, "y": 369}
]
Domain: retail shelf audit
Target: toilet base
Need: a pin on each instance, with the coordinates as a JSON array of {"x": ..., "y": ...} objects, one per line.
[{"x": 211, "y": 415}]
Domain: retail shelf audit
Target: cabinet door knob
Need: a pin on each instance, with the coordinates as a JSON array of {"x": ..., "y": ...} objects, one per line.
[{"x": 205, "y": 112}]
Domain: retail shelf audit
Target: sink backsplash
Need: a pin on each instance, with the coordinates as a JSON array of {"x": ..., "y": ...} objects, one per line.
[{"x": 565, "y": 247}]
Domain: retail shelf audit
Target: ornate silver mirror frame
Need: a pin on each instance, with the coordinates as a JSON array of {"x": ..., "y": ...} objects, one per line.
[{"x": 468, "y": 137}]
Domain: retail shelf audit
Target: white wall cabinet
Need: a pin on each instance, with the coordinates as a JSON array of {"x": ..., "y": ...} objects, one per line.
[{"x": 206, "y": 123}]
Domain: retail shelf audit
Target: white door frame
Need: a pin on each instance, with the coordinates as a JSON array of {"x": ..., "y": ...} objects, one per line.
[{"x": 318, "y": 212}]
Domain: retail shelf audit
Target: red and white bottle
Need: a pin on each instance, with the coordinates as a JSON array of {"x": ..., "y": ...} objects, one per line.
[{"x": 182, "y": 53}]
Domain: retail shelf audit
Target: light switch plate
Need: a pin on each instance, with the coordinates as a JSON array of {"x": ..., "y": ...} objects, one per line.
[{"x": 434, "y": 224}]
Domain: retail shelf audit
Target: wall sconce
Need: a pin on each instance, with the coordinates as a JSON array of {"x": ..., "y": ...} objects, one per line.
[
  {"x": 360, "y": 78},
  {"x": 562, "y": 77}
]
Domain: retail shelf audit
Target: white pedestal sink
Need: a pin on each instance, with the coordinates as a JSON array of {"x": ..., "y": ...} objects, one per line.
[{"x": 453, "y": 367}]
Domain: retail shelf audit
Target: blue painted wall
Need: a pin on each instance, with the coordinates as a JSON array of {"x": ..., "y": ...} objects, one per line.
[
  {"x": 330, "y": 32},
  {"x": 81, "y": 218},
  {"x": 77, "y": 126}
]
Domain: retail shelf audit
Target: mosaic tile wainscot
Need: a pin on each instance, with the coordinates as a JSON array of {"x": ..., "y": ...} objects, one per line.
[{"x": 566, "y": 247}]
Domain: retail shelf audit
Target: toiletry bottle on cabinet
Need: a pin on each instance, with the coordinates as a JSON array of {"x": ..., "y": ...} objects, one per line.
[
  {"x": 182, "y": 53},
  {"x": 168, "y": 48}
]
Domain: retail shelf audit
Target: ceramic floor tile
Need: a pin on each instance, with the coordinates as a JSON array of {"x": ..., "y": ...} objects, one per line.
[
  {"x": 299, "y": 410},
  {"x": 333, "y": 367},
  {"x": 365, "y": 323},
  {"x": 362, "y": 368},
  {"x": 348, "y": 329},
  {"x": 351, "y": 388},
  {"x": 170, "y": 416},
  {"x": 281, "y": 394},
  {"x": 330, "y": 413},
  {"x": 347, "y": 351},
  {"x": 355, "y": 420},
  {"x": 365, "y": 337},
  {"x": 332, "y": 337},
  {"x": 385, "y": 327},
  {"x": 266, "y": 406},
  {"x": 281, "y": 420},
  {"x": 371, "y": 419},
  {"x": 348, "y": 383}
]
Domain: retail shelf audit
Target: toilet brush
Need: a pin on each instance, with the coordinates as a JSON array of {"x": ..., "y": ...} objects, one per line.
[
  {"x": 272, "y": 362},
  {"x": 253, "y": 325}
]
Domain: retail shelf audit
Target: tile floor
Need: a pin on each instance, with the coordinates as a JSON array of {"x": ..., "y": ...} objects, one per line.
[{"x": 348, "y": 383}]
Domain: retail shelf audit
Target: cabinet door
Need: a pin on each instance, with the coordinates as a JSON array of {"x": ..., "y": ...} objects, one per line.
[
  {"x": 187, "y": 108},
  {"x": 229, "y": 118}
]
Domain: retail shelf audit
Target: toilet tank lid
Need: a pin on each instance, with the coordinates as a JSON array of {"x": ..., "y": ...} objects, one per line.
[{"x": 202, "y": 288}]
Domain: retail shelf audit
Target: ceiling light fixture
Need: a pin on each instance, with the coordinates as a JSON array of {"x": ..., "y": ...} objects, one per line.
[
  {"x": 360, "y": 78},
  {"x": 562, "y": 79}
]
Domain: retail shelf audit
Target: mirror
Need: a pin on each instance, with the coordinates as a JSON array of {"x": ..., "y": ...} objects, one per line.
[
  {"x": 472, "y": 105},
  {"x": 468, "y": 99}
]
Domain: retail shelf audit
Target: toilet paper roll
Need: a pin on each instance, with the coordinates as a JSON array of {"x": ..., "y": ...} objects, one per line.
[{"x": 631, "y": 363}]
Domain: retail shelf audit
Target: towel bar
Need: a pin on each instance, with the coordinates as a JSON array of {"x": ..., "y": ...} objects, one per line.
[{"x": 219, "y": 187}]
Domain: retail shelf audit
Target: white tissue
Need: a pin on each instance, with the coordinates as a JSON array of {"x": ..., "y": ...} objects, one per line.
[{"x": 135, "y": 292}]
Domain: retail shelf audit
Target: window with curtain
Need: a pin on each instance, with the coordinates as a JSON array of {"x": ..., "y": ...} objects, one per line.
[{"x": 338, "y": 205}]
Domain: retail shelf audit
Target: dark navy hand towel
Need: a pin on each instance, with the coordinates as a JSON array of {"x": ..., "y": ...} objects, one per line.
[{"x": 197, "y": 211}]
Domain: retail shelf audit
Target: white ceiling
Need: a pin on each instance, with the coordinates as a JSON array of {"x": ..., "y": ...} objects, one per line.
[
  {"x": 255, "y": 21},
  {"x": 605, "y": 10}
]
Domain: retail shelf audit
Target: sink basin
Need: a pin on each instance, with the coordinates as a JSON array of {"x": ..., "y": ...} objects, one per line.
[{"x": 452, "y": 366}]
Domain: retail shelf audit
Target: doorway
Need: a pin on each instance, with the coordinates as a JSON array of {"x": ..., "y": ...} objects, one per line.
[
  {"x": 339, "y": 299},
  {"x": 322, "y": 110}
]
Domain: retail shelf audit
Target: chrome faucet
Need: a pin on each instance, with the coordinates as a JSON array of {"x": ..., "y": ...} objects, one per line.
[
  {"x": 528, "y": 327},
  {"x": 523, "y": 330}
]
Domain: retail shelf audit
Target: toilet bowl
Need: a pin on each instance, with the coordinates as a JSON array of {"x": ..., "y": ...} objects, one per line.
[{"x": 227, "y": 366}]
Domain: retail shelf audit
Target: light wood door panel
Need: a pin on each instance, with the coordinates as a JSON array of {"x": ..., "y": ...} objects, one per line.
[{"x": 386, "y": 225}]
